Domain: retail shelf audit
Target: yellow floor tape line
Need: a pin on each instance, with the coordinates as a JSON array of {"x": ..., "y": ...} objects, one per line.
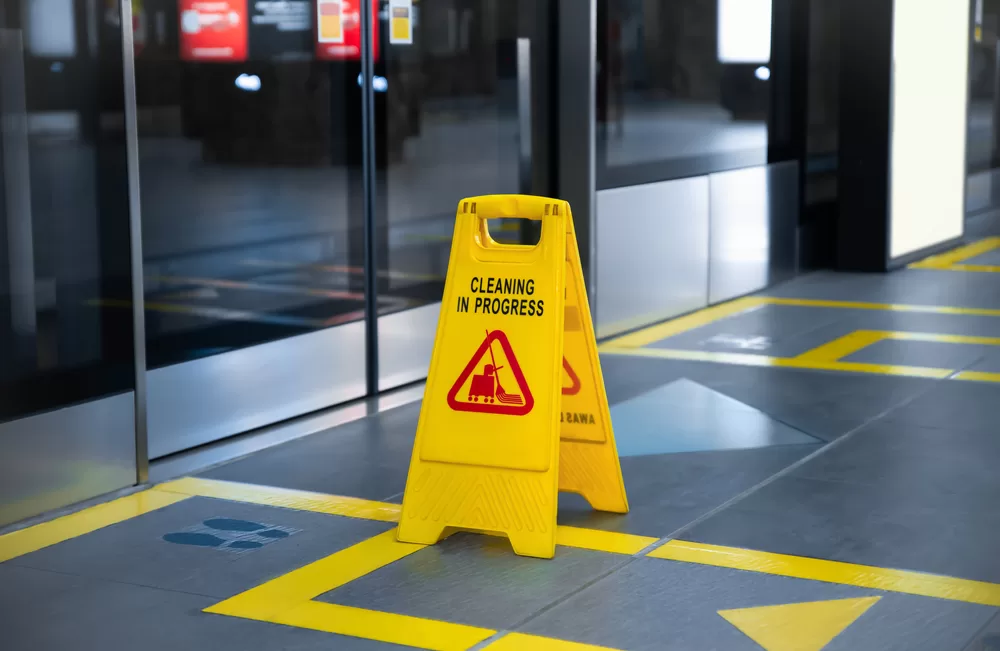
[
  {"x": 814, "y": 569},
  {"x": 889, "y": 580},
  {"x": 952, "y": 260},
  {"x": 352, "y": 507},
  {"x": 30, "y": 539}
]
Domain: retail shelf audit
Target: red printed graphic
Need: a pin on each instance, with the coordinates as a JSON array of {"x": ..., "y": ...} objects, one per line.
[
  {"x": 213, "y": 30},
  {"x": 574, "y": 380},
  {"x": 486, "y": 393}
]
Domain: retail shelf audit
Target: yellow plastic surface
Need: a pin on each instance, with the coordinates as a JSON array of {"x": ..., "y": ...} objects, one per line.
[
  {"x": 485, "y": 454},
  {"x": 487, "y": 450},
  {"x": 588, "y": 459}
]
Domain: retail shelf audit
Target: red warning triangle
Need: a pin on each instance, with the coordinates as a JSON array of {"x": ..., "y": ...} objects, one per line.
[
  {"x": 574, "y": 380},
  {"x": 486, "y": 394}
]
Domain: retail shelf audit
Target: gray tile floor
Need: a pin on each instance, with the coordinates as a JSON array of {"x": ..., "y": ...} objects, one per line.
[
  {"x": 901, "y": 473},
  {"x": 678, "y": 604},
  {"x": 134, "y": 552},
  {"x": 44, "y": 610},
  {"x": 475, "y": 580}
]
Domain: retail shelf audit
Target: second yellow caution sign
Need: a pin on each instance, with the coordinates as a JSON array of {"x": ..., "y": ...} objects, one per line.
[{"x": 500, "y": 391}]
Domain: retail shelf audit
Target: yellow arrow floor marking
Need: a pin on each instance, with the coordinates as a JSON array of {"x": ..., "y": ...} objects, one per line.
[{"x": 808, "y": 626}]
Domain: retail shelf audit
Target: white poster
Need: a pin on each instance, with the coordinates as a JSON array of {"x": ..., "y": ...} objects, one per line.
[{"x": 400, "y": 22}]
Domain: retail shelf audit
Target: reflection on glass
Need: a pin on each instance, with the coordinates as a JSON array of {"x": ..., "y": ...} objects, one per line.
[
  {"x": 448, "y": 126},
  {"x": 250, "y": 158},
  {"x": 448, "y": 129},
  {"x": 984, "y": 79},
  {"x": 683, "y": 87},
  {"x": 64, "y": 251}
]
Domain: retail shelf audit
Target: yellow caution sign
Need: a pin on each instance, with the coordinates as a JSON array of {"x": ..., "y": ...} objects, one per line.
[
  {"x": 588, "y": 459},
  {"x": 500, "y": 392}
]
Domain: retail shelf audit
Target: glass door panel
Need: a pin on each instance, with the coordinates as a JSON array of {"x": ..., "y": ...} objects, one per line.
[
  {"x": 460, "y": 111},
  {"x": 250, "y": 163},
  {"x": 67, "y": 428}
]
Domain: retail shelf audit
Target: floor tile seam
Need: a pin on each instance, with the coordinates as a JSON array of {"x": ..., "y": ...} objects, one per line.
[
  {"x": 827, "y": 480},
  {"x": 866, "y": 483},
  {"x": 501, "y": 633},
  {"x": 387, "y": 500},
  {"x": 106, "y": 580},
  {"x": 787, "y": 470},
  {"x": 542, "y": 610},
  {"x": 881, "y": 515},
  {"x": 969, "y": 365},
  {"x": 779, "y": 419},
  {"x": 982, "y": 629}
]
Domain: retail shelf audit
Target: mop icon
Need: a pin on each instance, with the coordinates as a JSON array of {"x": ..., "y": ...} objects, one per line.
[{"x": 487, "y": 385}]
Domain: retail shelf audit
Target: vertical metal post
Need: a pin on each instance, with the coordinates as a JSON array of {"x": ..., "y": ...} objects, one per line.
[
  {"x": 135, "y": 246},
  {"x": 577, "y": 119},
  {"x": 368, "y": 189},
  {"x": 524, "y": 126},
  {"x": 17, "y": 194}
]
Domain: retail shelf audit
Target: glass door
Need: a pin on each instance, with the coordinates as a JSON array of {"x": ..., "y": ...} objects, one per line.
[
  {"x": 250, "y": 152},
  {"x": 461, "y": 106},
  {"x": 256, "y": 206},
  {"x": 67, "y": 374}
]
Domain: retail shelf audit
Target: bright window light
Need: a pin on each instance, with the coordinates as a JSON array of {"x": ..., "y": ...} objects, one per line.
[
  {"x": 744, "y": 31},
  {"x": 249, "y": 83},
  {"x": 379, "y": 83}
]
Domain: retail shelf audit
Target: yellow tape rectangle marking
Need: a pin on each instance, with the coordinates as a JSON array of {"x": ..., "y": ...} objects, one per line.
[
  {"x": 351, "y": 507},
  {"x": 822, "y": 358},
  {"x": 30, "y": 539},
  {"x": 612, "y": 542},
  {"x": 980, "y": 268},
  {"x": 685, "y": 323},
  {"x": 814, "y": 569},
  {"x": 887, "y": 307},
  {"x": 288, "y": 600},
  {"x": 936, "y": 338},
  {"x": 596, "y": 540},
  {"x": 977, "y": 376},
  {"x": 741, "y": 359},
  {"x": 840, "y": 348},
  {"x": 385, "y": 627},
  {"x": 951, "y": 260},
  {"x": 344, "y": 566},
  {"x": 710, "y": 315}
]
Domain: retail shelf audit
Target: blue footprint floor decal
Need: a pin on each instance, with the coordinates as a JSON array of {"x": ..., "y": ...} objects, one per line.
[{"x": 229, "y": 534}]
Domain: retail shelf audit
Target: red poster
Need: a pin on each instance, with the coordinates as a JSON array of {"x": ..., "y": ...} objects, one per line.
[
  {"x": 213, "y": 30},
  {"x": 338, "y": 30}
]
